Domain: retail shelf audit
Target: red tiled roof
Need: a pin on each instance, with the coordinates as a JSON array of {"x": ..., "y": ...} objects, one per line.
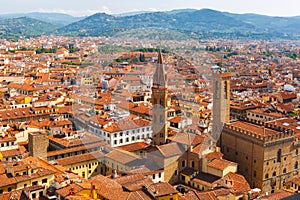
[
  {"x": 134, "y": 146},
  {"x": 220, "y": 164}
]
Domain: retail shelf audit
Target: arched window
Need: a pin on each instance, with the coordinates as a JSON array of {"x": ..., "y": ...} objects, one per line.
[
  {"x": 274, "y": 174},
  {"x": 266, "y": 176},
  {"x": 284, "y": 170},
  {"x": 192, "y": 164},
  {"x": 296, "y": 165}
]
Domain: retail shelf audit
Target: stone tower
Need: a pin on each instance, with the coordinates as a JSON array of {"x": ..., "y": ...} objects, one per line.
[
  {"x": 159, "y": 100},
  {"x": 221, "y": 99},
  {"x": 38, "y": 143}
]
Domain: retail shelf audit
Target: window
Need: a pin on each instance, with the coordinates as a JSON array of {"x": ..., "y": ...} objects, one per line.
[
  {"x": 284, "y": 170},
  {"x": 153, "y": 176},
  {"x": 115, "y": 142},
  {"x": 274, "y": 174},
  {"x": 279, "y": 155},
  {"x": 121, "y": 141},
  {"x": 33, "y": 195},
  {"x": 254, "y": 174},
  {"x": 159, "y": 175},
  {"x": 127, "y": 139},
  {"x": 266, "y": 176},
  {"x": 34, "y": 183},
  {"x": 297, "y": 151},
  {"x": 83, "y": 174},
  {"x": 44, "y": 180},
  {"x": 183, "y": 163},
  {"x": 9, "y": 189},
  {"x": 41, "y": 193},
  {"x": 192, "y": 164},
  {"x": 296, "y": 165},
  {"x": 1, "y": 191}
]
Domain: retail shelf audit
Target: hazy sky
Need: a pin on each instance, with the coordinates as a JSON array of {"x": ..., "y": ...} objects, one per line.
[{"x": 87, "y": 7}]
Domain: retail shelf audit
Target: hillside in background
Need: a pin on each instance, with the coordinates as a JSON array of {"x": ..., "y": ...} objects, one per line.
[
  {"x": 58, "y": 19},
  {"x": 24, "y": 26},
  {"x": 203, "y": 23},
  {"x": 176, "y": 24}
]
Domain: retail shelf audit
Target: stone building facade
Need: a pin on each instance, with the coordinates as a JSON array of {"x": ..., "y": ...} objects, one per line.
[{"x": 267, "y": 153}]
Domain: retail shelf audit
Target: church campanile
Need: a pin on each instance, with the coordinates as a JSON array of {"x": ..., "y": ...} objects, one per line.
[{"x": 159, "y": 100}]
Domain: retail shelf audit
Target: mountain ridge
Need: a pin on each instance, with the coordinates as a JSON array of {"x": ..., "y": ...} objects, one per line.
[{"x": 197, "y": 24}]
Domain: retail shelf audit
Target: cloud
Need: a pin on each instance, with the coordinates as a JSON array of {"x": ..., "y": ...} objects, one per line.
[{"x": 76, "y": 13}]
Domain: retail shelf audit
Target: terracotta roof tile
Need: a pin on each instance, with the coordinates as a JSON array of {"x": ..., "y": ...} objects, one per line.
[{"x": 220, "y": 164}]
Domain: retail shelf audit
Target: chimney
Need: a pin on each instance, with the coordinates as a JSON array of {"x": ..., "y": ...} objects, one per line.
[{"x": 94, "y": 192}]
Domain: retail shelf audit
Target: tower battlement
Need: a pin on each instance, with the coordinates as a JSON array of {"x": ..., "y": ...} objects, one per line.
[{"x": 264, "y": 132}]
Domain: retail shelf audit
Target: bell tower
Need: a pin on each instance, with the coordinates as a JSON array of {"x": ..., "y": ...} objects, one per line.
[
  {"x": 159, "y": 102},
  {"x": 221, "y": 99}
]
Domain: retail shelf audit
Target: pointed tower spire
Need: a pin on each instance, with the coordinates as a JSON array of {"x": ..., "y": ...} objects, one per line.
[
  {"x": 160, "y": 58},
  {"x": 159, "y": 78}
]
